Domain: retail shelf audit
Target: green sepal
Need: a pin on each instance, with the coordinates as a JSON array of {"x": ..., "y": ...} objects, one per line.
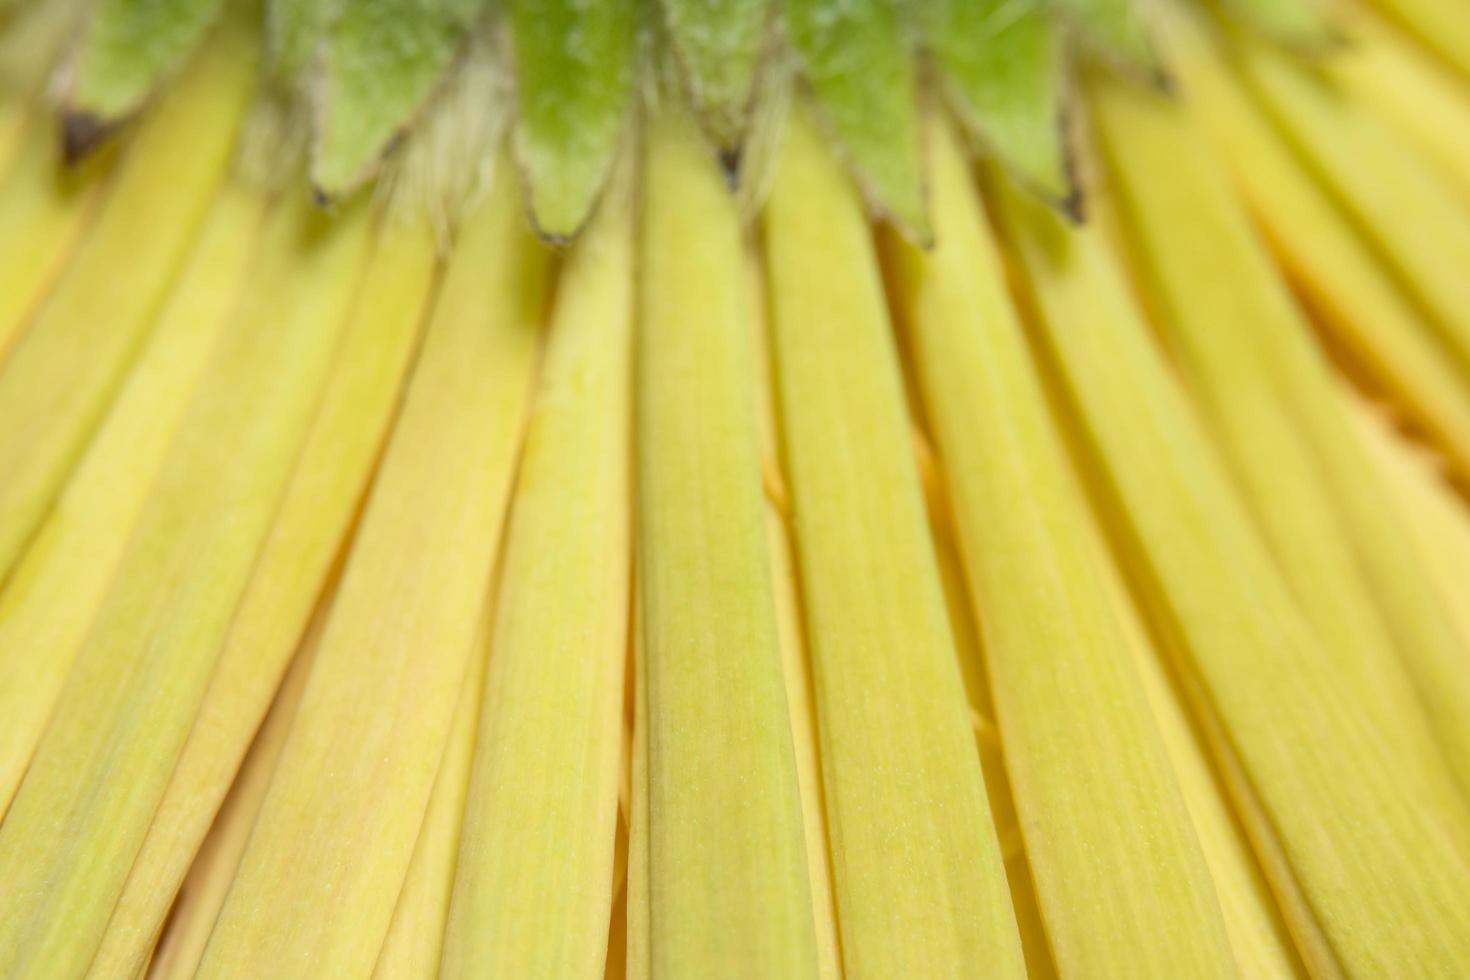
[
  {"x": 718, "y": 45},
  {"x": 130, "y": 48},
  {"x": 382, "y": 61},
  {"x": 856, "y": 56},
  {"x": 294, "y": 29},
  {"x": 1000, "y": 69},
  {"x": 1116, "y": 30},
  {"x": 574, "y": 73},
  {"x": 1300, "y": 23}
]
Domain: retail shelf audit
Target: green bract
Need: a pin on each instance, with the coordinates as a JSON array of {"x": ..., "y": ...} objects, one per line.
[
  {"x": 382, "y": 60},
  {"x": 293, "y": 28},
  {"x": 718, "y": 44},
  {"x": 999, "y": 61},
  {"x": 574, "y": 61},
  {"x": 1113, "y": 29},
  {"x": 361, "y": 71},
  {"x": 856, "y": 57},
  {"x": 131, "y": 46}
]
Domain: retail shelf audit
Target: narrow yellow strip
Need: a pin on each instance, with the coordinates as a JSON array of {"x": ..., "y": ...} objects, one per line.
[
  {"x": 1438, "y": 518},
  {"x": 1418, "y": 97},
  {"x": 639, "y": 939},
  {"x": 1339, "y": 274},
  {"x": 44, "y": 207},
  {"x": 415, "y": 941},
  {"x": 727, "y": 885},
  {"x": 326, "y": 862},
  {"x": 1414, "y": 218},
  {"x": 791, "y": 634},
  {"x": 1099, "y": 807},
  {"x": 1369, "y": 871},
  {"x": 806, "y": 737},
  {"x": 56, "y": 385},
  {"x": 211, "y": 871},
  {"x": 918, "y": 875},
  {"x": 86, "y": 802},
  {"x": 315, "y": 516},
  {"x": 414, "y": 944},
  {"x": 1440, "y": 25},
  {"x": 1258, "y": 935},
  {"x": 55, "y": 590},
  {"x": 1269, "y": 395},
  {"x": 532, "y": 895},
  {"x": 1035, "y": 943}
]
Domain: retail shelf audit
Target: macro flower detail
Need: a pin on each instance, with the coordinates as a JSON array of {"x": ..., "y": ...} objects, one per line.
[{"x": 726, "y": 488}]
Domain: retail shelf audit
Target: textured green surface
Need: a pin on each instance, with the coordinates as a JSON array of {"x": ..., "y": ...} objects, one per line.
[
  {"x": 293, "y": 31},
  {"x": 131, "y": 46},
  {"x": 383, "y": 58},
  {"x": 574, "y": 65},
  {"x": 856, "y": 56},
  {"x": 718, "y": 43},
  {"x": 1000, "y": 68}
]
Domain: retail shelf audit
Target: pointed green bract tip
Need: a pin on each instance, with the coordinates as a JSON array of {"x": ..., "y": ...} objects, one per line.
[
  {"x": 718, "y": 43},
  {"x": 562, "y": 188},
  {"x": 383, "y": 58},
  {"x": 856, "y": 57},
  {"x": 1115, "y": 30},
  {"x": 999, "y": 64},
  {"x": 574, "y": 74},
  {"x": 129, "y": 49}
]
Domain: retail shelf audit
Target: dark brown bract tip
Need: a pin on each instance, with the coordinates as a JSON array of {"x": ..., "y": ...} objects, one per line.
[
  {"x": 554, "y": 239},
  {"x": 1074, "y": 206},
  {"x": 81, "y": 134},
  {"x": 730, "y": 158},
  {"x": 1164, "y": 81}
]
